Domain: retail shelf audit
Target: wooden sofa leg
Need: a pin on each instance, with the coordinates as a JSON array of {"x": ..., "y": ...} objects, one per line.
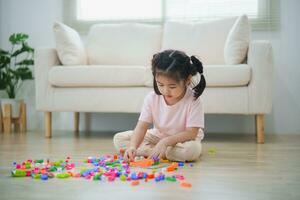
[
  {"x": 7, "y": 118},
  {"x": 48, "y": 124},
  {"x": 23, "y": 118},
  {"x": 76, "y": 121},
  {"x": 259, "y": 123},
  {"x": 1, "y": 120}
]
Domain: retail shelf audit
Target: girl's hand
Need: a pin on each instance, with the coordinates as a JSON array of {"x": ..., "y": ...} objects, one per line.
[
  {"x": 159, "y": 150},
  {"x": 129, "y": 154}
]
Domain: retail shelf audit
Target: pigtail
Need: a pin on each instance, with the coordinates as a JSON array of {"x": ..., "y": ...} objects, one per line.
[
  {"x": 197, "y": 66},
  {"x": 156, "y": 61}
]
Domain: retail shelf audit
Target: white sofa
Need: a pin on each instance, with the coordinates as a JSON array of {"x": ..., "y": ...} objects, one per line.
[{"x": 110, "y": 71}]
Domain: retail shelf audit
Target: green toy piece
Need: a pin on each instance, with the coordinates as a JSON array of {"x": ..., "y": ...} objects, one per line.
[
  {"x": 18, "y": 173},
  {"x": 212, "y": 151},
  {"x": 63, "y": 175},
  {"x": 39, "y": 161}
]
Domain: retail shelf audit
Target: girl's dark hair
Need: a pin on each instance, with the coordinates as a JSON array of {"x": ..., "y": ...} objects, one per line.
[{"x": 178, "y": 66}]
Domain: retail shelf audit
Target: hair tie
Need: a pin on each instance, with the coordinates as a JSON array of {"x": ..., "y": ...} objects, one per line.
[
  {"x": 171, "y": 65},
  {"x": 171, "y": 54},
  {"x": 195, "y": 80}
]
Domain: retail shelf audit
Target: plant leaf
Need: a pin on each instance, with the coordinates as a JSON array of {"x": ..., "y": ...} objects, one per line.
[
  {"x": 17, "y": 52},
  {"x": 25, "y": 62},
  {"x": 24, "y": 73},
  {"x": 28, "y": 48},
  {"x": 3, "y": 52},
  {"x": 2, "y": 81},
  {"x": 18, "y": 38},
  {"x": 25, "y": 48},
  {"x": 11, "y": 73},
  {"x": 4, "y": 61}
]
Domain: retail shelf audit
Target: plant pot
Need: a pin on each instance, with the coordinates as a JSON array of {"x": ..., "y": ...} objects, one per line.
[{"x": 15, "y": 106}]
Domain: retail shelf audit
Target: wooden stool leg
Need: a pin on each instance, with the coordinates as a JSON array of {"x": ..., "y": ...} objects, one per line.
[
  {"x": 1, "y": 120},
  {"x": 17, "y": 121},
  {"x": 17, "y": 125},
  {"x": 7, "y": 118},
  {"x": 76, "y": 121},
  {"x": 259, "y": 121},
  {"x": 23, "y": 120},
  {"x": 48, "y": 125}
]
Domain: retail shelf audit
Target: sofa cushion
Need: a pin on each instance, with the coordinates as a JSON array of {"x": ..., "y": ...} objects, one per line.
[
  {"x": 100, "y": 76},
  {"x": 123, "y": 44},
  {"x": 70, "y": 48},
  {"x": 205, "y": 40},
  {"x": 220, "y": 75},
  {"x": 237, "y": 42},
  {"x": 139, "y": 76},
  {"x": 227, "y": 75}
]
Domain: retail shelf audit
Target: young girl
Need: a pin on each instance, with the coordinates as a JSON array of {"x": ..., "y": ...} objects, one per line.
[{"x": 175, "y": 109}]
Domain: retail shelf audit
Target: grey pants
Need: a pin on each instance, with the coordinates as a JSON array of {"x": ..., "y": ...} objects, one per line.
[{"x": 186, "y": 151}]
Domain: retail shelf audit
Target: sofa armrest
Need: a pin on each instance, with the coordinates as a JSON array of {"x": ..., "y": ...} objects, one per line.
[
  {"x": 44, "y": 59},
  {"x": 260, "y": 88}
]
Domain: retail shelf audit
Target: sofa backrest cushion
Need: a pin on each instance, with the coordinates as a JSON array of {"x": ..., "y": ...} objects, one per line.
[
  {"x": 205, "y": 40},
  {"x": 70, "y": 49},
  {"x": 123, "y": 44},
  {"x": 237, "y": 43}
]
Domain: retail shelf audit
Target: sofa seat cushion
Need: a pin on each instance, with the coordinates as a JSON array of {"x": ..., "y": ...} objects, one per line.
[
  {"x": 227, "y": 75},
  {"x": 100, "y": 76},
  {"x": 222, "y": 75}
]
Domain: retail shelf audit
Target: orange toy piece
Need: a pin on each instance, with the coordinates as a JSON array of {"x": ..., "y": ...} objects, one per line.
[
  {"x": 164, "y": 161},
  {"x": 142, "y": 163},
  {"x": 186, "y": 184},
  {"x": 172, "y": 167},
  {"x": 134, "y": 183}
]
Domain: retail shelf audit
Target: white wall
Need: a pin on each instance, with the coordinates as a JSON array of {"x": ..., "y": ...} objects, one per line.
[
  {"x": 286, "y": 114},
  {"x": 36, "y": 17}
]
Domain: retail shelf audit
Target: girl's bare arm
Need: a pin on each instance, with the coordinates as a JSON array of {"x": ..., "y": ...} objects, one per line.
[
  {"x": 188, "y": 134},
  {"x": 138, "y": 134}
]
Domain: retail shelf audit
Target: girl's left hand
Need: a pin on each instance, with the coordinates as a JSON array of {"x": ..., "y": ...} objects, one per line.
[{"x": 159, "y": 151}]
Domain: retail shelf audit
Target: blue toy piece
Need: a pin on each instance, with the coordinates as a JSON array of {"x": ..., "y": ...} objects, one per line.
[{"x": 44, "y": 177}]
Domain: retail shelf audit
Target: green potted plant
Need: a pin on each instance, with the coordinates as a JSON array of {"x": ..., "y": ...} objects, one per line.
[{"x": 14, "y": 68}]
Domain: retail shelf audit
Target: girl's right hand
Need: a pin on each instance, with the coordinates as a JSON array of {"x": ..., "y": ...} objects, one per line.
[{"x": 129, "y": 154}]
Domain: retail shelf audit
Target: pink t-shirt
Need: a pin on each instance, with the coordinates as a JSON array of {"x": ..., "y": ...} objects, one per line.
[{"x": 169, "y": 120}]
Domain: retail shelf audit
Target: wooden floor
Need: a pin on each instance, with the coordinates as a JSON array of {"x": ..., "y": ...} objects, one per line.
[{"x": 240, "y": 169}]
